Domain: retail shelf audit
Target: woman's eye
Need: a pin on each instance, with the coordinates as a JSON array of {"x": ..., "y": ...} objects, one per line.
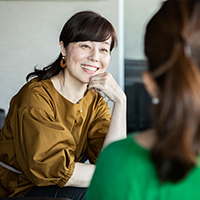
[
  {"x": 85, "y": 46},
  {"x": 104, "y": 50}
]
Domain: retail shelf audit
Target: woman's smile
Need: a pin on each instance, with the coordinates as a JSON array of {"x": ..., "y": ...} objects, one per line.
[{"x": 89, "y": 69}]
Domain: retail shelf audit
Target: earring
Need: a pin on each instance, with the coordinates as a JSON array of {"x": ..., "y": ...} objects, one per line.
[
  {"x": 63, "y": 62},
  {"x": 155, "y": 100}
]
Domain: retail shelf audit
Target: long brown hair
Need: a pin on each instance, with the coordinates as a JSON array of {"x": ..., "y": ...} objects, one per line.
[
  {"x": 82, "y": 26},
  {"x": 173, "y": 61}
]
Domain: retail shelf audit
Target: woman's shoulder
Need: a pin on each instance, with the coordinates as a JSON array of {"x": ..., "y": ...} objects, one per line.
[
  {"x": 34, "y": 93},
  {"x": 128, "y": 141},
  {"x": 121, "y": 146},
  {"x": 34, "y": 87},
  {"x": 126, "y": 148},
  {"x": 35, "y": 84}
]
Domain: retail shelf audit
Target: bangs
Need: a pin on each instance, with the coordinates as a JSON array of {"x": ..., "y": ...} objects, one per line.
[
  {"x": 94, "y": 31},
  {"x": 90, "y": 27}
]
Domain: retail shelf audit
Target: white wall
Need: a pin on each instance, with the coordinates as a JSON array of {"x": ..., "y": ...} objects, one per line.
[
  {"x": 29, "y": 33},
  {"x": 136, "y": 15}
]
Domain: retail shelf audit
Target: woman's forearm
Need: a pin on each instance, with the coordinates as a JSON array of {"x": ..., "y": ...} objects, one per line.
[
  {"x": 107, "y": 84},
  {"x": 117, "y": 128},
  {"x": 82, "y": 175}
]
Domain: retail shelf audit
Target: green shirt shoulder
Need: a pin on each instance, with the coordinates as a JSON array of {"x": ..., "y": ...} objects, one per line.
[{"x": 125, "y": 171}]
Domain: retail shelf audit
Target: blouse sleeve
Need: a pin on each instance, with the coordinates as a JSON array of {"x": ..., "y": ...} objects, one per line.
[
  {"x": 98, "y": 130},
  {"x": 45, "y": 148}
]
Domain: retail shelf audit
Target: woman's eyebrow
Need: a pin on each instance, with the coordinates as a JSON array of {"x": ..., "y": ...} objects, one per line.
[{"x": 107, "y": 43}]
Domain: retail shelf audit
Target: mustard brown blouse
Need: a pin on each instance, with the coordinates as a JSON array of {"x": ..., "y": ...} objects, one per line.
[{"x": 44, "y": 134}]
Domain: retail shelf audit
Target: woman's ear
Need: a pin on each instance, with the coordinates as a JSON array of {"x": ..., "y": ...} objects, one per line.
[
  {"x": 150, "y": 84},
  {"x": 62, "y": 49}
]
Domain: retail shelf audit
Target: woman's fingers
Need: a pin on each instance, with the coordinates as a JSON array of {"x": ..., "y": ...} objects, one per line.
[
  {"x": 101, "y": 82},
  {"x": 106, "y": 84}
]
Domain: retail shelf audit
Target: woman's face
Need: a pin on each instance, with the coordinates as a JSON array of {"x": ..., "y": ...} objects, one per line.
[{"x": 86, "y": 59}]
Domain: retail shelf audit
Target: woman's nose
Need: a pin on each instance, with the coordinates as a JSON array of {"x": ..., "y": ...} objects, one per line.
[{"x": 94, "y": 55}]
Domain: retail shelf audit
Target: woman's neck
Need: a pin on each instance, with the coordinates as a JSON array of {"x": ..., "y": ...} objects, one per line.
[
  {"x": 146, "y": 138},
  {"x": 72, "y": 92}
]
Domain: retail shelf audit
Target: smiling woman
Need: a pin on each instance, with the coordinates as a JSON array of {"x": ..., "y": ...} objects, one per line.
[
  {"x": 58, "y": 116},
  {"x": 85, "y": 59}
]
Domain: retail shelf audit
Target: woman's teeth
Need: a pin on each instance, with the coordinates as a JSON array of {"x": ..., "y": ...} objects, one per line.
[{"x": 93, "y": 69}]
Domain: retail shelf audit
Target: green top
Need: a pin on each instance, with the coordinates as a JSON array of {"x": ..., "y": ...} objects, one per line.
[{"x": 125, "y": 171}]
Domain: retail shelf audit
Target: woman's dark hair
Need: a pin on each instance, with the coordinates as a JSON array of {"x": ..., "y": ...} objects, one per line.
[
  {"x": 173, "y": 59},
  {"x": 83, "y": 26}
]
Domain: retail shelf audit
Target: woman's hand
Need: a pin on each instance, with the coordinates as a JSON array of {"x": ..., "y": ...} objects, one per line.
[{"x": 105, "y": 83}]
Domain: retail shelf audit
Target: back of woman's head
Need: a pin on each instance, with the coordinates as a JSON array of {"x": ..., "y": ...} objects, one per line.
[
  {"x": 82, "y": 26},
  {"x": 173, "y": 50}
]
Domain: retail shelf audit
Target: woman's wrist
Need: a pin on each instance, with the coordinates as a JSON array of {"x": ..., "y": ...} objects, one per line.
[{"x": 121, "y": 99}]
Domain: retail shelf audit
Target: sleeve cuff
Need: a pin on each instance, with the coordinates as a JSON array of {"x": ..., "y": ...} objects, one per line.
[{"x": 61, "y": 183}]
